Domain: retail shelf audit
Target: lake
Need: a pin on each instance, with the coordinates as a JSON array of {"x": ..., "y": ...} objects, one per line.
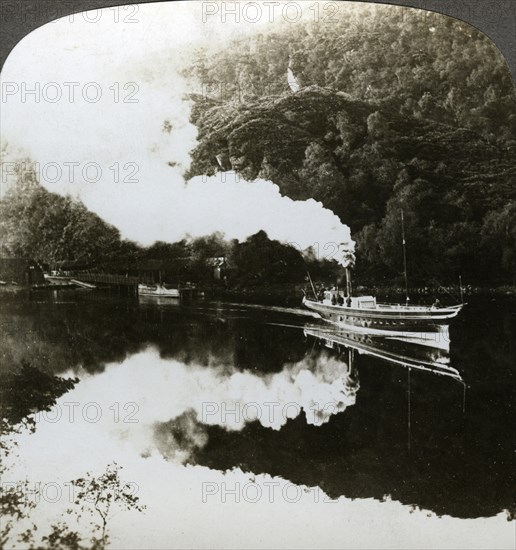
[{"x": 248, "y": 425}]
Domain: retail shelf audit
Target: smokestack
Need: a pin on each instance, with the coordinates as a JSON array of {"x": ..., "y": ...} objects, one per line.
[{"x": 348, "y": 282}]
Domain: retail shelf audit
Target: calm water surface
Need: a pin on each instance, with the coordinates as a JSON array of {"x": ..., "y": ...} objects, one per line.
[{"x": 277, "y": 392}]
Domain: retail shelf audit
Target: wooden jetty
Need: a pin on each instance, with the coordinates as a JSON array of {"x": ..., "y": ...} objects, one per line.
[
  {"x": 125, "y": 284},
  {"x": 121, "y": 283}
]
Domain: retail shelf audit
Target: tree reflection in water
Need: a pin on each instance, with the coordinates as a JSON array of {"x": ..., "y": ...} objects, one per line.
[{"x": 459, "y": 463}]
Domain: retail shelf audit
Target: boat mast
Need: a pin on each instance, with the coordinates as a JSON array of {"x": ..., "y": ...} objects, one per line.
[
  {"x": 408, "y": 412},
  {"x": 404, "y": 258}
]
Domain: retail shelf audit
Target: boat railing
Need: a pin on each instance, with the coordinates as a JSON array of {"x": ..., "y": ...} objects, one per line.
[
  {"x": 388, "y": 305},
  {"x": 385, "y": 305},
  {"x": 395, "y": 307}
]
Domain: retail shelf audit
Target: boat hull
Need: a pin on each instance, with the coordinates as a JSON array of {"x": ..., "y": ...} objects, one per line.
[{"x": 388, "y": 320}]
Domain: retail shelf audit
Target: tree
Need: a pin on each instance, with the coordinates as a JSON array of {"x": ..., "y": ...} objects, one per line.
[
  {"x": 42, "y": 225},
  {"x": 499, "y": 239},
  {"x": 99, "y": 497},
  {"x": 260, "y": 260}
]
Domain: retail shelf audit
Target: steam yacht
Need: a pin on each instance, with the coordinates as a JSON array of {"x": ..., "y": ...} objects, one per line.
[{"x": 366, "y": 314}]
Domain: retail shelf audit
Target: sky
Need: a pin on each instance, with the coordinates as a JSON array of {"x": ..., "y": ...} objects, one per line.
[{"x": 107, "y": 121}]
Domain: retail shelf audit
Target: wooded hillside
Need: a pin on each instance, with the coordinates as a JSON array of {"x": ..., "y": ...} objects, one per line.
[{"x": 397, "y": 109}]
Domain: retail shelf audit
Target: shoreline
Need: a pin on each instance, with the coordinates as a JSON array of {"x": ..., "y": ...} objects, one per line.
[{"x": 291, "y": 294}]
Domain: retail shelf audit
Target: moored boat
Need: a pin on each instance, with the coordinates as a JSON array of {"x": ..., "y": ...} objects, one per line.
[
  {"x": 82, "y": 284},
  {"x": 158, "y": 290},
  {"x": 56, "y": 279}
]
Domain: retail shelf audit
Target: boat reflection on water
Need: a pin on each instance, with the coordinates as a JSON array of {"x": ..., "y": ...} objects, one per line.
[
  {"x": 157, "y": 300},
  {"x": 427, "y": 353}
]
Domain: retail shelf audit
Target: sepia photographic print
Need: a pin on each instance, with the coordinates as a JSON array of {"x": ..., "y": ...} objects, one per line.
[{"x": 257, "y": 278}]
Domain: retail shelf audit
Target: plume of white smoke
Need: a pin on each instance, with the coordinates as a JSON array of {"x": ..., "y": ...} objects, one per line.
[{"x": 125, "y": 155}]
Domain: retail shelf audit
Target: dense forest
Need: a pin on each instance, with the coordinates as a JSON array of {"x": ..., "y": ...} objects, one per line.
[
  {"x": 397, "y": 109},
  {"x": 392, "y": 110}
]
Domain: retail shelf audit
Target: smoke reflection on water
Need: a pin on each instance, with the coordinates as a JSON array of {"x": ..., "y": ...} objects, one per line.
[
  {"x": 148, "y": 411},
  {"x": 174, "y": 400},
  {"x": 176, "y": 404}
]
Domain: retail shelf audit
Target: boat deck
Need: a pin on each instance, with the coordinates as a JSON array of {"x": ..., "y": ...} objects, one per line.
[{"x": 402, "y": 309}]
